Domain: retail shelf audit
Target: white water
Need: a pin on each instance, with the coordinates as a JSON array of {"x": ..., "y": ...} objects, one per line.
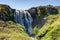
[{"x": 24, "y": 18}]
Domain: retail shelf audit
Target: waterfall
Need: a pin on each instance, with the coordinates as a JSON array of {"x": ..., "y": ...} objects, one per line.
[{"x": 24, "y": 18}]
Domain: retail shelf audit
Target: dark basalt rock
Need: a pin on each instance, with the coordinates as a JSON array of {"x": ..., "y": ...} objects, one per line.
[
  {"x": 33, "y": 12},
  {"x": 43, "y": 11},
  {"x": 6, "y": 12}
]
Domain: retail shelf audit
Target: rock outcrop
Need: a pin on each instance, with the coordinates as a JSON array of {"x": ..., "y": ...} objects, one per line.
[
  {"x": 39, "y": 13},
  {"x": 6, "y": 12}
]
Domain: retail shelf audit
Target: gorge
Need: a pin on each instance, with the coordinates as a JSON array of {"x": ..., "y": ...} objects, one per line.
[{"x": 45, "y": 20}]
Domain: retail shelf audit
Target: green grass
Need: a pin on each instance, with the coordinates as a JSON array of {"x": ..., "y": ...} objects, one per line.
[
  {"x": 35, "y": 30},
  {"x": 51, "y": 30},
  {"x": 12, "y": 31}
]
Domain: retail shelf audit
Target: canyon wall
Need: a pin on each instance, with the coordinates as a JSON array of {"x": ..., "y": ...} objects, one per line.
[
  {"x": 35, "y": 16},
  {"x": 40, "y": 14}
]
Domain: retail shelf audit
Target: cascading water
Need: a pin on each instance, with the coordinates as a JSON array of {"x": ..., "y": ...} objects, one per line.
[{"x": 24, "y": 18}]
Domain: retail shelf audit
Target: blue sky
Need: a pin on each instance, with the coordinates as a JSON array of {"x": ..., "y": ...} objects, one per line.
[{"x": 26, "y": 4}]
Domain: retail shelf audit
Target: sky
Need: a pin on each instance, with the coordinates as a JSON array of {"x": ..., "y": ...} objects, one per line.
[{"x": 26, "y": 4}]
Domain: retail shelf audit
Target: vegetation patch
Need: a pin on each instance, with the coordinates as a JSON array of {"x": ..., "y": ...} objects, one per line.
[{"x": 12, "y": 31}]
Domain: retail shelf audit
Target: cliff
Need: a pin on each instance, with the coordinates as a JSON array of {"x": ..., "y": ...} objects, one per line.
[
  {"x": 6, "y": 12},
  {"x": 41, "y": 14},
  {"x": 46, "y": 18}
]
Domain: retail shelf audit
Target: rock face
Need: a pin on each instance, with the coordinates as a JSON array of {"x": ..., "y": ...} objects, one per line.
[
  {"x": 39, "y": 13},
  {"x": 6, "y": 13},
  {"x": 33, "y": 12},
  {"x": 48, "y": 19}
]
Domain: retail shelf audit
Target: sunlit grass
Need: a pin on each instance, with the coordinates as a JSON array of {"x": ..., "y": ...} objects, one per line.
[{"x": 12, "y": 31}]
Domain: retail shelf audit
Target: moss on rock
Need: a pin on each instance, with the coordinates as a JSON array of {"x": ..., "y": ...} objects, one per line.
[{"x": 6, "y": 12}]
